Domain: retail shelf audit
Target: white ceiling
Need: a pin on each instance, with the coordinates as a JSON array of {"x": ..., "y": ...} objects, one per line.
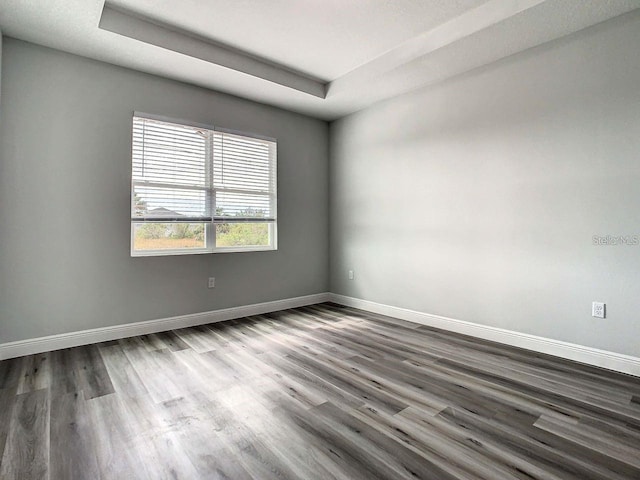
[{"x": 325, "y": 58}]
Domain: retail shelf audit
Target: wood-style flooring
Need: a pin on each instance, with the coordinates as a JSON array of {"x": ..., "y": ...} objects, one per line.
[{"x": 318, "y": 392}]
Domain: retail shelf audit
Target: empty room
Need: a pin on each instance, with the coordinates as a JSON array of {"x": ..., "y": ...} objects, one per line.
[{"x": 320, "y": 239}]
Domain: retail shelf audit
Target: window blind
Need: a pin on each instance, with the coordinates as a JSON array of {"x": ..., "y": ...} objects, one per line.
[
  {"x": 189, "y": 174},
  {"x": 243, "y": 178},
  {"x": 170, "y": 173}
]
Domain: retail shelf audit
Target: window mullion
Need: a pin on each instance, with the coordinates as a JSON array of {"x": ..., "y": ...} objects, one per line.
[{"x": 211, "y": 196}]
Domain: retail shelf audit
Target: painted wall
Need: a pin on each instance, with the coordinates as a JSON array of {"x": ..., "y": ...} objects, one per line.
[
  {"x": 1, "y": 38},
  {"x": 65, "y": 172},
  {"x": 478, "y": 198}
]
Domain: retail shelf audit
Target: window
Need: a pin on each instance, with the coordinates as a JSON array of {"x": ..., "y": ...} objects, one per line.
[{"x": 197, "y": 189}]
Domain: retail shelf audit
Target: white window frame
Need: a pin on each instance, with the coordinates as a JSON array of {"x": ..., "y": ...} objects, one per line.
[{"x": 210, "y": 191}]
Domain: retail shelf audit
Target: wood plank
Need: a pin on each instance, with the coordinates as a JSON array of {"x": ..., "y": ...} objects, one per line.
[
  {"x": 10, "y": 372},
  {"x": 315, "y": 383},
  {"x": 65, "y": 376},
  {"x": 36, "y": 373},
  {"x": 152, "y": 342},
  {"x": 123, "y": 376},
  {"x": 623, "y": 433},
  {"x": 172, "y": 341},
  {"x": 119, "y": 446},
  {"x": 7, "y": 403},
  {"x": 390, "y": 457},
  {"x": 285, "y": 442},
  {"x": 522, "y": 439},
  {"x": 92, "y": 373},
  {"x": 471, "y": 451},
  {"x": 26, "y": 453},
  {"x": 131, "y": 441},
  {"x": 159, "y": 382},
  {"x": 73, "y": 453},
  {"x": 602, "y": 443},
  {"x": 198, "y": 338},
  {"x": 201, "y": 437},
  {"x": 581, "y": 404},
  {"x": 352, "y": 384}
]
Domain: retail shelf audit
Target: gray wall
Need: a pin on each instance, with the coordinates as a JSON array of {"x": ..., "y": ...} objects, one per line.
[
  {"x": 477, "y": 199},
  {"x": 1, "y": 66},
  {"x": 65, "y": 139}
]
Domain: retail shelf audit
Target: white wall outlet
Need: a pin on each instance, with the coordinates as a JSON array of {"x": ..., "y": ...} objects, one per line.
[
  {"x": 350, "y": 274},
  {"x": 598, "y": 310},
  {"x": 212, "y": 282}
]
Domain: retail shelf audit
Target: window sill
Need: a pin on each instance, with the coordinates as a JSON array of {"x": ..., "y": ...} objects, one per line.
[{"x": 166, "y": 253}]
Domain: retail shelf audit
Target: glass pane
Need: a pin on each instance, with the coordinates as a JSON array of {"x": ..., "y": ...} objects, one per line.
[
  {"x": 168, "y": 202},
  {"x": 169, "y": 236},
  {"x": 234, "y": 204},
  {"x": 242, "y": 235}
]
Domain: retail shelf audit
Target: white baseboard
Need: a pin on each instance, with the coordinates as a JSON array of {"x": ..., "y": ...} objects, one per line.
[
  {"x": 104, "y": 334},
  {"x": 592, "y": 356}
]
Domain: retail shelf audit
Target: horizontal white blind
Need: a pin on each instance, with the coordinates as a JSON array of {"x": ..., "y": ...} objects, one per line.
[
  {"x": 182, "y": 173},
  {"x": 243, "y": 178},
  {"x": 169, "y": 173}
]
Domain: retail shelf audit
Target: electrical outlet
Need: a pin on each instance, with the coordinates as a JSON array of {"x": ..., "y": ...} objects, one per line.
[
  {"x": 350, "y": 274},
  {"x": 212, "y": 282},
  {"x": 598, "y": 310}
]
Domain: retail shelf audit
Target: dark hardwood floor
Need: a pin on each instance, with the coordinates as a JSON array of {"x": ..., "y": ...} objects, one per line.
[{"x": 318, "y": 392}]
